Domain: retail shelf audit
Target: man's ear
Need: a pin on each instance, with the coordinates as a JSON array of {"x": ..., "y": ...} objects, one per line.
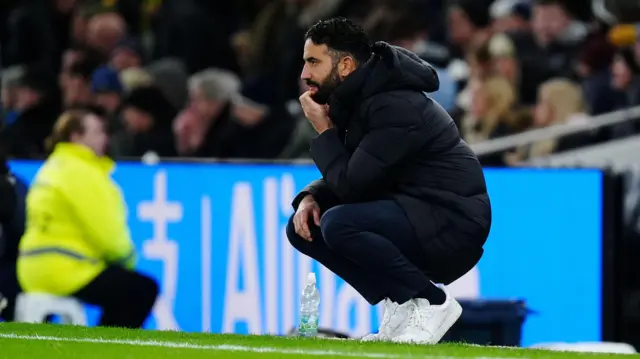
[{"x": 346, "y": 66}]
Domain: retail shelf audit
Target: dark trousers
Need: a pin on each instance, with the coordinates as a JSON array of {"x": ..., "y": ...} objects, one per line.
[
  {"x": 126, "y": 297},
  {"x": 9, "y": 290},
  {"x": 374, "y": 248}
]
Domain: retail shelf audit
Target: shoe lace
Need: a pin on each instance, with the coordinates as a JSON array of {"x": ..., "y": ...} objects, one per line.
[
  {"x": 420, "y": 317},
  {"x": 389, "y": 308}
]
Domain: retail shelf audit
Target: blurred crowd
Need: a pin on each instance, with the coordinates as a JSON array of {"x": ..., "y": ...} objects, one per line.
[{"x": 221, "y": 79}]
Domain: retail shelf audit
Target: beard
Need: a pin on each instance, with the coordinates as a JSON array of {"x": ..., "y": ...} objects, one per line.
[{"x": 326, "y": 88}]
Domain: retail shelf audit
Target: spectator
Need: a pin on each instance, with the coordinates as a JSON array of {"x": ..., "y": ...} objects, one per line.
[
  {"x": 626, "y": 84},
  {"x": 187, "y": 132},
  {"x": 479, "y": 66},
  {"x": 148, "y": 117},
  {"x": 170, "y": 75},
  {"x": 560, "y": 101},
  {"x": 127, "y": 54},
  {"x": 77, "y": 89},
  {"x": 504, "y": 58},
  {"x": 105, "y": 31},
  {"x": 553, "y": 24},
  {"x": 526, "y": 42},
  {"x": 11, "y": 77},
  {"x": 406, "y": 31},
  {"x": 510, "y": 16},
  {"x": 415, "y": 39},
  {"x": 626, "y": 78},
  {"x": 135, "y": 77},
  {"x": 90, "y": 57},
  {"x": 491, "y": 103},
  {"x": 467, "y": 21},
  {"x": 80, "y": 21},
  {"x": 232, "y": 125},
  {"x": 558, "y": 35},
  {"x": 77, "y": 242},
  {"x": 39, "y": 33},
  {"x": 38, "y": 105},
  {"x": 523, "y": 74},
  {"x": 480, "y": 59},
  {"x": 211, "y": 93},
  {"x": 594, "y": 70},
  {"x": 107, "y": 90}
]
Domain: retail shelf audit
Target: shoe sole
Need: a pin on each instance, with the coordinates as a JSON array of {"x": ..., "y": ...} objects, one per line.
[{"x": 449, "y": 321}]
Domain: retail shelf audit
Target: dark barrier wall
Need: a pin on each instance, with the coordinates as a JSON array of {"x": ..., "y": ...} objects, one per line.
[
  {"x": 213, "y": 235},
  {"x": 625, "y": 308}
]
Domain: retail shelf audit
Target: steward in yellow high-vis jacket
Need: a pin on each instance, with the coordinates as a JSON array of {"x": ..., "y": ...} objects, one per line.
[{"x": 77, "y": 241}]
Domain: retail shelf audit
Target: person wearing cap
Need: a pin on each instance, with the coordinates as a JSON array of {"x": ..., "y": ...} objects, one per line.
[{"x": 107, "y": 89}]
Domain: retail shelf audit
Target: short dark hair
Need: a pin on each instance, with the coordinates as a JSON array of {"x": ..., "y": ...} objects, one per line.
[{"x": 341, "y": 36}]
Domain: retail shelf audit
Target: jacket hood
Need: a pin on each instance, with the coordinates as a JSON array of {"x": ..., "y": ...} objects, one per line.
[{"x": 390, "y": 68}]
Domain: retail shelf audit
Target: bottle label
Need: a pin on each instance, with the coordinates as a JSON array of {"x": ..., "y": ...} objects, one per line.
[{"x": 308, "y": 325}]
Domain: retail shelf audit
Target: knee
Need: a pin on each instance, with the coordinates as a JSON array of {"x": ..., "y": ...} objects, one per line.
[
  {"x": 149, "y": 290},
  {"x": 293, "y": 237},
  {"x": 333, "y": 225}
]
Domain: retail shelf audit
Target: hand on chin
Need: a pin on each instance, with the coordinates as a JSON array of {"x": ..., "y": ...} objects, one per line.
[{"x": 317, "y": 114}]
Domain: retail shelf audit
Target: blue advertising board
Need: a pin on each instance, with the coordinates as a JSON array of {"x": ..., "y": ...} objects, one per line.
[{"x": 214, "y": 237}]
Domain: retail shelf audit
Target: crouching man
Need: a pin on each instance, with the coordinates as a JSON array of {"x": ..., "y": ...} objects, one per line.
[{"x": 402, "y": 207}]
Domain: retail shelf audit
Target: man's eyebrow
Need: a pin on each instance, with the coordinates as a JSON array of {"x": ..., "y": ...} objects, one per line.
[{"x": 311, "y": 59}]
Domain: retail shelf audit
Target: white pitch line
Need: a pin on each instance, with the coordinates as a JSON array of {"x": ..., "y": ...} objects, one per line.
[{"x": 230, "y": 348}]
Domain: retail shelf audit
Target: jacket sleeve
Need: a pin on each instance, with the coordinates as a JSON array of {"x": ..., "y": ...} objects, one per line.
[
  {"x": 319, "y": 190},
  {"x": 365, "y": 174},
  {"x": 101, "y": 213}
]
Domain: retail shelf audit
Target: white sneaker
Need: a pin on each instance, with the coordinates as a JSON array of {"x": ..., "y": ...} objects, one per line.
[
  {"x": 429, "y": 323},
  {"x": 395, "y": 320}
]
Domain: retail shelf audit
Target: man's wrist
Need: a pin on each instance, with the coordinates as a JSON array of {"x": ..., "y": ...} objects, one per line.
[
  {"x": 308, "y": 199},
  {"x": 325, "y": 125}
]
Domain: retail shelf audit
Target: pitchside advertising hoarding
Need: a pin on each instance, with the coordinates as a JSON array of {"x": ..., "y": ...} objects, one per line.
[{"x": 214, "y": 237}]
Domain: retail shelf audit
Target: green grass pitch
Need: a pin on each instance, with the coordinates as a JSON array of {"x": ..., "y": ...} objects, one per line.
[{"x": 35, "y": 341}]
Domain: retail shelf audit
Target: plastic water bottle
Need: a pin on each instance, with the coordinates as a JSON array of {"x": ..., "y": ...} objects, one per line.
[{"x": 309, "y": 308}]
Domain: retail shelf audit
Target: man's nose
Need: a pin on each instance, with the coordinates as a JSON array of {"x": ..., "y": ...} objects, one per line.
[{"x": 305, "y": 75}]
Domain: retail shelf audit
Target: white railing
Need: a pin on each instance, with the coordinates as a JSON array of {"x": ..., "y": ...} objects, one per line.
[{"x": 525, "y": 138}]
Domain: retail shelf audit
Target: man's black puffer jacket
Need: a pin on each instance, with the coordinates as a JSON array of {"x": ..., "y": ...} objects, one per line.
[{"x": 391, "y": 141}]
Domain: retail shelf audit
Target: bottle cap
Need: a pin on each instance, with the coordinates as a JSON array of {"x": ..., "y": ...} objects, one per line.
[{"x": 311, "y": 278}]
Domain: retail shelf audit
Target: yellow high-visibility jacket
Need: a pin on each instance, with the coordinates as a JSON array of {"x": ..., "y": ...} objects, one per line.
[{"x": 76, "y": 223}]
